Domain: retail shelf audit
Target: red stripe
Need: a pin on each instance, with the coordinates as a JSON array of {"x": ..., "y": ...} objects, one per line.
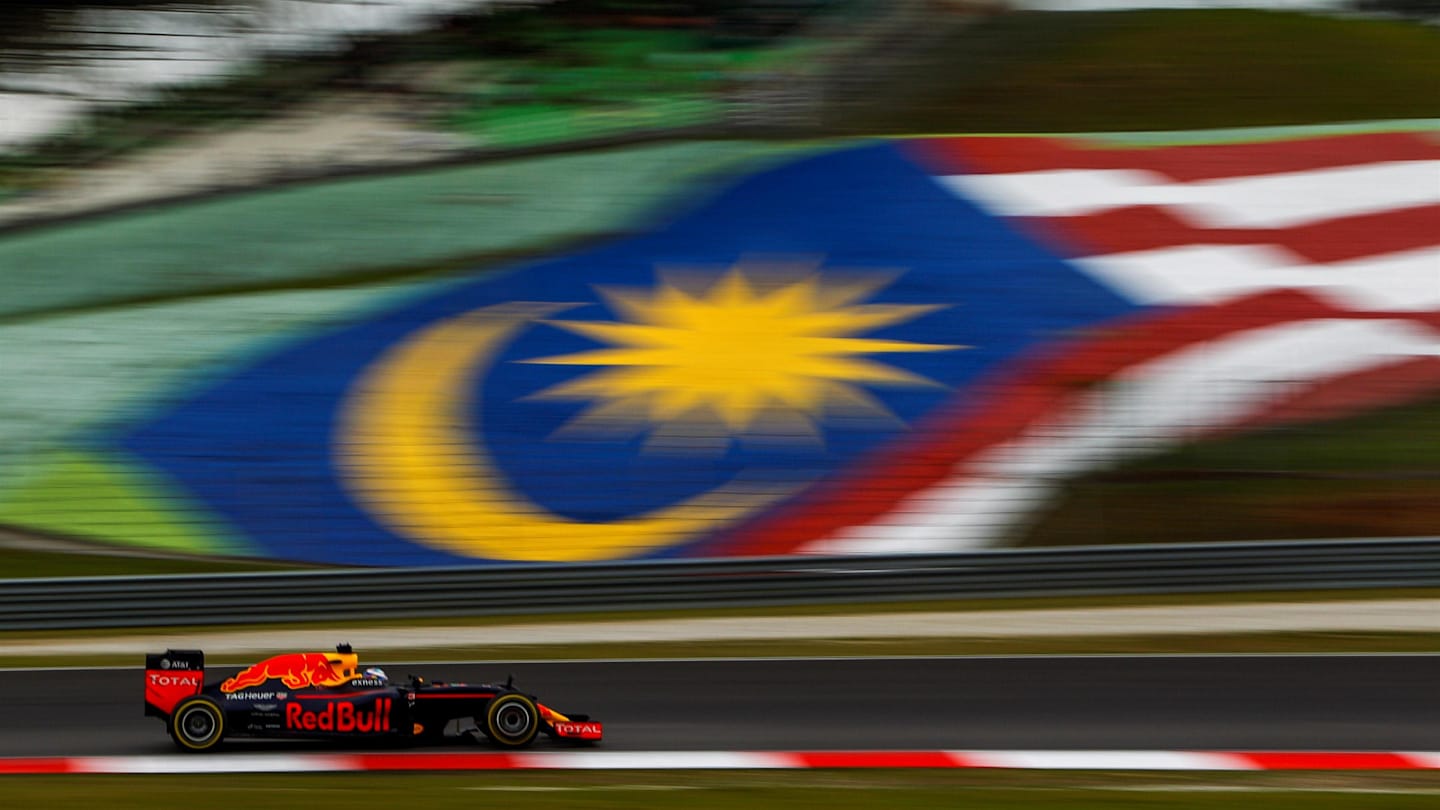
[
  {"x": 1005, "y": 407},
  {"x": 1265, "y": 760},
  {"x": 348, "y": 695},
  {"x": 875, "y": 759},
  {"x": 1332, "y": 761},
  {"x": 41, "y": 765},
  {"x": 1183, "y": 163},
  {"x": 340, "y": 695},
  {"x": 436, "y": 762},
  {"x": 1146, "y": 228}
]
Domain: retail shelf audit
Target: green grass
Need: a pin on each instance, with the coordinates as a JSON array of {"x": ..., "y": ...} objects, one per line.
[
  {"x": 124, "y": 503},
  {"x": 1373, "y": 475},
  {"x": 839, "y": 790},
  {"x": 1154, "y": 70},
  {"x": 603, "y": 81},
  {"x": 526, "y": 123}
]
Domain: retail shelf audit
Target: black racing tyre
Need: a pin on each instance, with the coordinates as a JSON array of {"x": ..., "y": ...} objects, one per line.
[
  {"x": 197, "y": 724},
  {"x": 512, "y": 720}
]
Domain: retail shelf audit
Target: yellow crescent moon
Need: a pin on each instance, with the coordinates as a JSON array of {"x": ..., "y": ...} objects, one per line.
[{"x": 407, "y": 451}]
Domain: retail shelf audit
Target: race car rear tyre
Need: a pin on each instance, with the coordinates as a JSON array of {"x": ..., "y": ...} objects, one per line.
[
  {"x": 512, "y": 720},
  {"x": 197, "y": 724}
]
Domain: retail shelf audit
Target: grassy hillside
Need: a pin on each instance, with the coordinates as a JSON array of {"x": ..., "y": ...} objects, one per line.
[{"x": 565, "y": 71}]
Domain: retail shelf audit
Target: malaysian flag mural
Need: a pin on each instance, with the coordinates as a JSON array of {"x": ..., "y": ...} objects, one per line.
[{"x": 893, "y": 346}]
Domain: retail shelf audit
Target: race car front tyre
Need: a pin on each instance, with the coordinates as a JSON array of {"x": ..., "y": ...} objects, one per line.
[
  {"x": 512, "y": 720},
  {"x": 197, "y": 724}
]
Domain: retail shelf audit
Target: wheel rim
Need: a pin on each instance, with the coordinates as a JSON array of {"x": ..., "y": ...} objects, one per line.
[
  {"x": 197, "y": 724},
  {"x": 513, "y": 719}
]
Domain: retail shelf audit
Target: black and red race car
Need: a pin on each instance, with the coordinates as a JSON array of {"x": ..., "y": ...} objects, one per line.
[{"x": 326, "y": 695}]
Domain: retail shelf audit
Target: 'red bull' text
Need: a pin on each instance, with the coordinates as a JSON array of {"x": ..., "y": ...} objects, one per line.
[{"x": 340, "y": 717}]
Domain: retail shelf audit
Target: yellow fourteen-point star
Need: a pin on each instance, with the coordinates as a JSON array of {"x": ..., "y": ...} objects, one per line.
[{"x": 698, "y": 363}]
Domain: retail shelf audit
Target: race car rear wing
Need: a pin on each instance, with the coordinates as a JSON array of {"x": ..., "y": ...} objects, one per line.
[{"x": 170, "y": 677}]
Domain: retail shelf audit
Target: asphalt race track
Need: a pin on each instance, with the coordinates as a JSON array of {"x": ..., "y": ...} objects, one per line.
[{"x": 1221, "y": 702}]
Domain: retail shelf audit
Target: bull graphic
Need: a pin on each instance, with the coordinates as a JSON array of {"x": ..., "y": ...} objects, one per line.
[{"x": 295, "y": 670}]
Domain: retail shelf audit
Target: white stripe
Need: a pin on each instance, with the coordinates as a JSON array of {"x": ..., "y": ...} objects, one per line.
[
  {"x": 1429, "y": 760},
  {"x": 1407, "y": 281},
  {"x": 1108, "y": 760},
  {"x": 1280, "y": 200},
  {"x": 1296, "y": 198},
  {"x": 657, "y": 760},
  {"x": 228, "y": 763},
  {"x": 1144, "y": 409},
  {"x": 966, "y": 511},
  {"x": 1063, "y": 192}
]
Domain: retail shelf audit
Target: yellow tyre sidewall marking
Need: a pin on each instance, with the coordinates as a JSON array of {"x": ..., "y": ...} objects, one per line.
[
  {"x": 218, "y": 714},
  {"x": 497, "y": 704}
]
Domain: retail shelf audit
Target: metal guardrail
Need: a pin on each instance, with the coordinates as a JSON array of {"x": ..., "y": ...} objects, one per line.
[{"x": 93, "y": 602}]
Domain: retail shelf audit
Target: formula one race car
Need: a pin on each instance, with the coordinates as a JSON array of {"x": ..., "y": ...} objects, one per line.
[{"x": 327, "y": 695}]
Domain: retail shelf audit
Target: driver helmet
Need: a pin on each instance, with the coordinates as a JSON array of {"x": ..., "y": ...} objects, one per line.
[{"x": 377, "y": 673}]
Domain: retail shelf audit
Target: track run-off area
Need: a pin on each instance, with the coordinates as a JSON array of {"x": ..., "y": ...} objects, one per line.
[{"x": 1124, "y": 712}]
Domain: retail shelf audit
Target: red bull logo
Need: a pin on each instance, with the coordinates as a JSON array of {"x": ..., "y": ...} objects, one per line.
[
  {"x": 295, "y": 670},
  {"x": 340, "y": 717}
]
